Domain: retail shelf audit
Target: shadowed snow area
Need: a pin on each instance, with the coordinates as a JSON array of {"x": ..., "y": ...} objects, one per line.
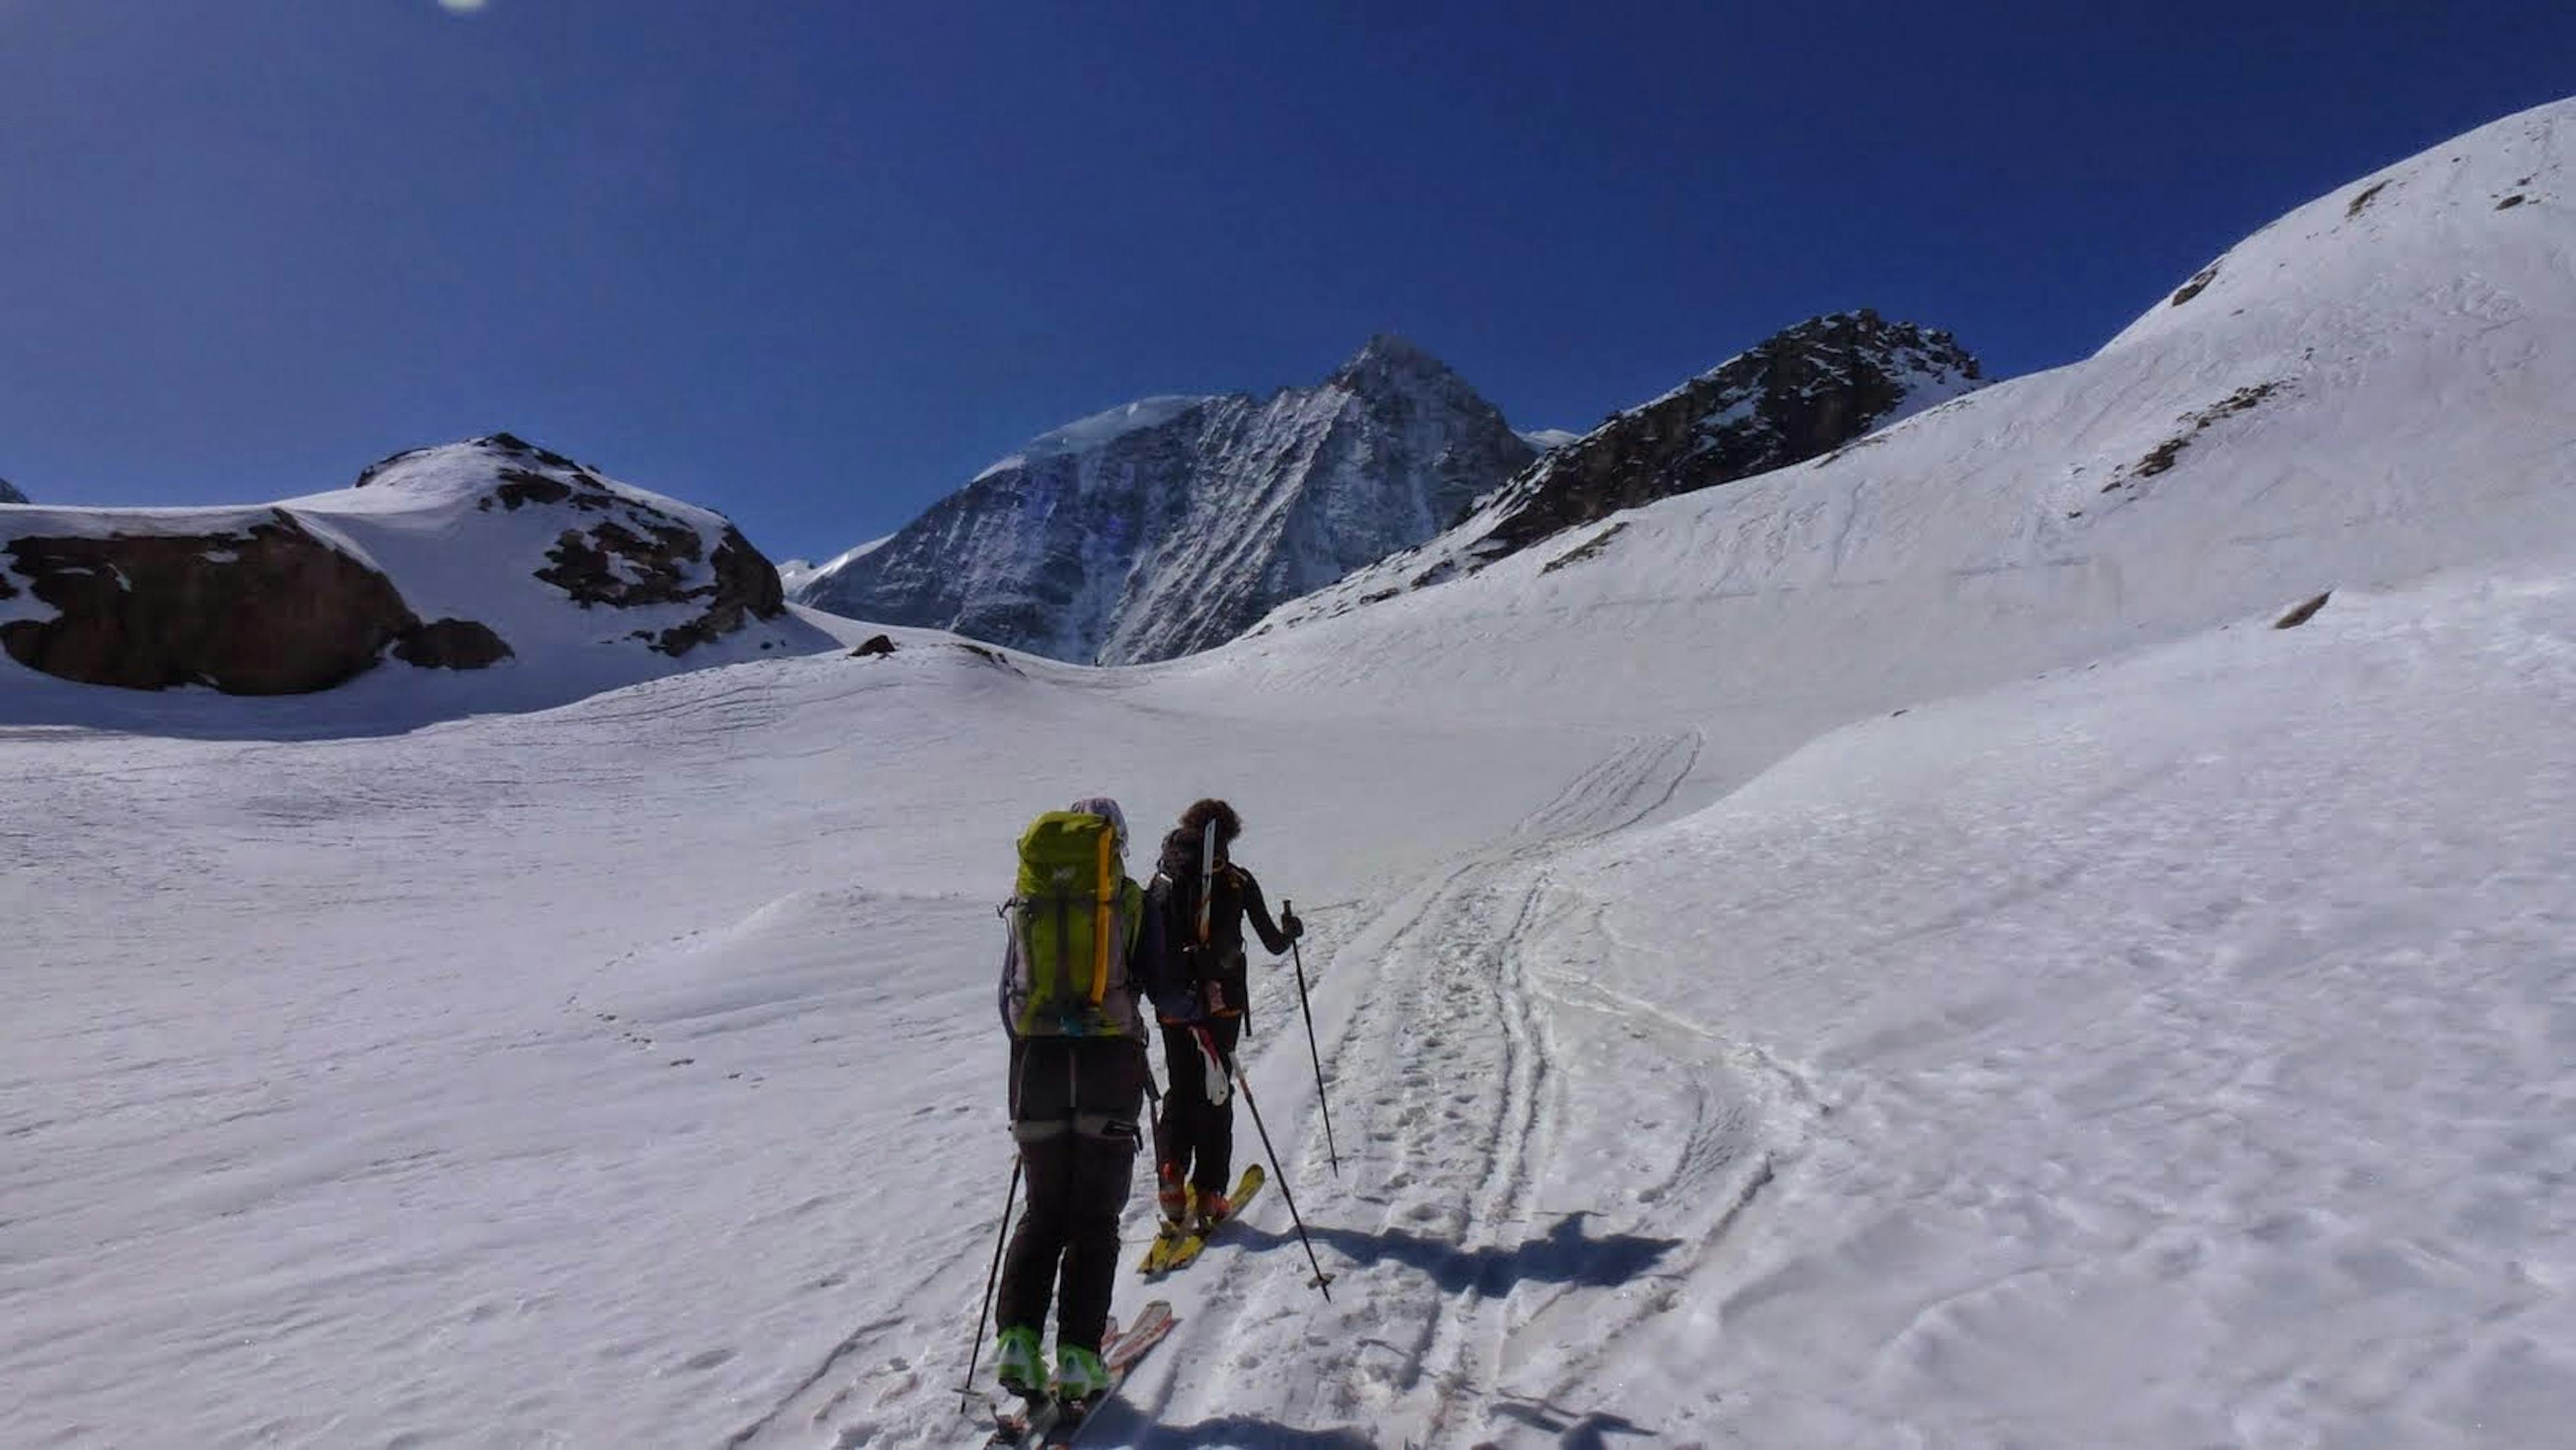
[{"x": 1898, "y": 950}]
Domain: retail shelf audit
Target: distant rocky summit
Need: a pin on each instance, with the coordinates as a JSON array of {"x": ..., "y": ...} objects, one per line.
[
  {"x": 1169, "y": 525},
  {"x": 1798, "y": 394},
  {"x": 9, "y": 494},
  {"x": 457, "y": 558}
]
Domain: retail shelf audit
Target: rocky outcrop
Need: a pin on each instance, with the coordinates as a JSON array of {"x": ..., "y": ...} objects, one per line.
[
  {"x": 265, "y": 610},
  {"x": 1172, "y": 524},
  {"x": 1799, "y": 394},
  {"x": 498, "y": 540},
  {"x": 625, "y": 552},
  {"x": 451, "y": 644},
  {"x": 9, "y": 494}
]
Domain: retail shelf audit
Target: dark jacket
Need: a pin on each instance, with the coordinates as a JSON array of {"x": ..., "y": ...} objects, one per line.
[{"x": 1185, "y": 963}]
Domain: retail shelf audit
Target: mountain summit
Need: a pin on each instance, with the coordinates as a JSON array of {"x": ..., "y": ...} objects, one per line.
[
  {"x": 1802, "y": 392},
  {"x": 1170, "y": 524}
]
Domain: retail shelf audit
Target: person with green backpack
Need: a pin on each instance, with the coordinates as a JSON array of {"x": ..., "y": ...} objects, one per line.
[{"x": 1081, "y": 947}]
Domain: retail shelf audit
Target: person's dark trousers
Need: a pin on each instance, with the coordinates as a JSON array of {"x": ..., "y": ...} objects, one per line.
[
  {"x": 1197, "y": 1135},
  {"x": 1073, "y": 1111}
]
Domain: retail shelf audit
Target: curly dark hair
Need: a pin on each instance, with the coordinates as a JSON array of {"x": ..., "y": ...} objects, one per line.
[{"x": 1228, "y": 824}]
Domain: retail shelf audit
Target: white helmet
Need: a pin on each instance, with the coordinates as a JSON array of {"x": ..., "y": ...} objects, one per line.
[{"x": 1107, "y": 809}]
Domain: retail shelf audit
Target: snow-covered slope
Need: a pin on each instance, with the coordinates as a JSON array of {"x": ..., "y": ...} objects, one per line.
[
  {"x": 511, "y": 576},
  {"x": 1168, "y": 525},
  {"x": 2381, "y": 391},
  {"x": 1758, "y": 1005}
]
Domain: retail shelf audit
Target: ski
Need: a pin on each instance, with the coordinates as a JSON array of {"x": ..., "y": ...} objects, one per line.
[
  {"x": 1158, "y": 1254},
  {"x": 1056, "y": 1422},
  {"x": 1185, "y": 1248}
]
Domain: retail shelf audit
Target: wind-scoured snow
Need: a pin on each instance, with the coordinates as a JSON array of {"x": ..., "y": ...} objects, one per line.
[{"x": 1899, "y": 950}]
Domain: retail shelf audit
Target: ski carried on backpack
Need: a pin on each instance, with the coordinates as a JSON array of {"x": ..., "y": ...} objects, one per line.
[
  {"x": 1057, "y": 1422},
  {"x": 1175, "y": 1246}
]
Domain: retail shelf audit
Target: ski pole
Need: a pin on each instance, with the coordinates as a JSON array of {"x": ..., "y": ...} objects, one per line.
[
  {"x": 975, "y": 1355},
  {"x": 1289, "y": 908},
  {"x": 1323, "y": 1280}
]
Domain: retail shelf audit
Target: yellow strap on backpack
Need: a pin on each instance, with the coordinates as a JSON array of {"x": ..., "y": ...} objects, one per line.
[{"x": 1102, "y": 918}]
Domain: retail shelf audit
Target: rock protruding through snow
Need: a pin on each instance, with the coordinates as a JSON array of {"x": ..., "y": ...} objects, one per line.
[{"x": 461, "y": 557}]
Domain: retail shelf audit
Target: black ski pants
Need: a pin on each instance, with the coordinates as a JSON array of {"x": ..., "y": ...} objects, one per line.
[
  {"x": 1073, "y": 1112},
  {"x": 1196, "y": 1137}
]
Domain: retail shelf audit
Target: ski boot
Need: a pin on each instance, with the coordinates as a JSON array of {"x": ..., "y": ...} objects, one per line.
[
  {"x": 1081, "y": 1377},
  {"x": 1214, "y": 1209},
  {"x": 1171, "y": 1195},
  {"x": 1020, "y": 1367}
]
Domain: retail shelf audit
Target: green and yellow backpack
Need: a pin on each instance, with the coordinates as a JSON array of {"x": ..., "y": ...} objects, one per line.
[{"x": 1073, "y": 918}]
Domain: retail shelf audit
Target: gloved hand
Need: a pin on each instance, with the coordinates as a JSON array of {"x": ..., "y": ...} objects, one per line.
[
  {"x": 1290, "y": 927},
  {"x": 1180, "y": 1006}
]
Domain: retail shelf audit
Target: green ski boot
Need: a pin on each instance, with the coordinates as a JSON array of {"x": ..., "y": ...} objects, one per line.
[
  {"x": 1080, "y": 1374},
  {"x": 1020, "y": 1367}
]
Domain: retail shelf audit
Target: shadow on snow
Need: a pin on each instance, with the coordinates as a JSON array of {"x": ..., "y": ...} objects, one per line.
[
  {"x": 1563, "y": 1255},
  {"x": 1572, "y": 1431}
]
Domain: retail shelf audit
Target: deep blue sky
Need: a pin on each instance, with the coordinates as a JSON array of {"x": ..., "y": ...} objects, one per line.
[{"x": 815, "y": 262}]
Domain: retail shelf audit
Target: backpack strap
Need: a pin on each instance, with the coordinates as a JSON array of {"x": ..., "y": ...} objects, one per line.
[{"x": 1103, "y": 922}]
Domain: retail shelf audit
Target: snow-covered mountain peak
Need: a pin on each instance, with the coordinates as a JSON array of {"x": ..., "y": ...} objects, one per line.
[
  {"x": 1392, "y": 363},
  {"x": 1169, "y": 524}
]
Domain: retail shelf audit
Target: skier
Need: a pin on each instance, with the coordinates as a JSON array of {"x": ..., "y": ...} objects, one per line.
[
  {"x": 1078, "y": 1074},
  {"x": 1204, "y": 986}
]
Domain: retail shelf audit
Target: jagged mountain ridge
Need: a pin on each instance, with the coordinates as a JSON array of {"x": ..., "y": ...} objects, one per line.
[
  {"x": 1172, "y": 524},
  {"x": 1798, "y": 394},
  {"x": 9, "y": 494}
]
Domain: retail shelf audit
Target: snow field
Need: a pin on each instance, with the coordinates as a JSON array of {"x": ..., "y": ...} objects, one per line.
[{"x": 1894, "y": 952}]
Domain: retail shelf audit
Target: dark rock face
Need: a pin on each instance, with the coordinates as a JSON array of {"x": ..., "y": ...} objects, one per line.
[
  {"x": 872, "y": 646},
  {"x": 269, "y": 610},
  {"x": 1796, "y": 396},
  {"x": 634, "y": 554},
  {"x": 9, "y": 494},
  {"x": 451, "y": 644}
]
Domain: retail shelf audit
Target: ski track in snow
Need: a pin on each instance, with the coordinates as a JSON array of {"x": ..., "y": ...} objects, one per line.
[{"x": 1451, "y": 1256}]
